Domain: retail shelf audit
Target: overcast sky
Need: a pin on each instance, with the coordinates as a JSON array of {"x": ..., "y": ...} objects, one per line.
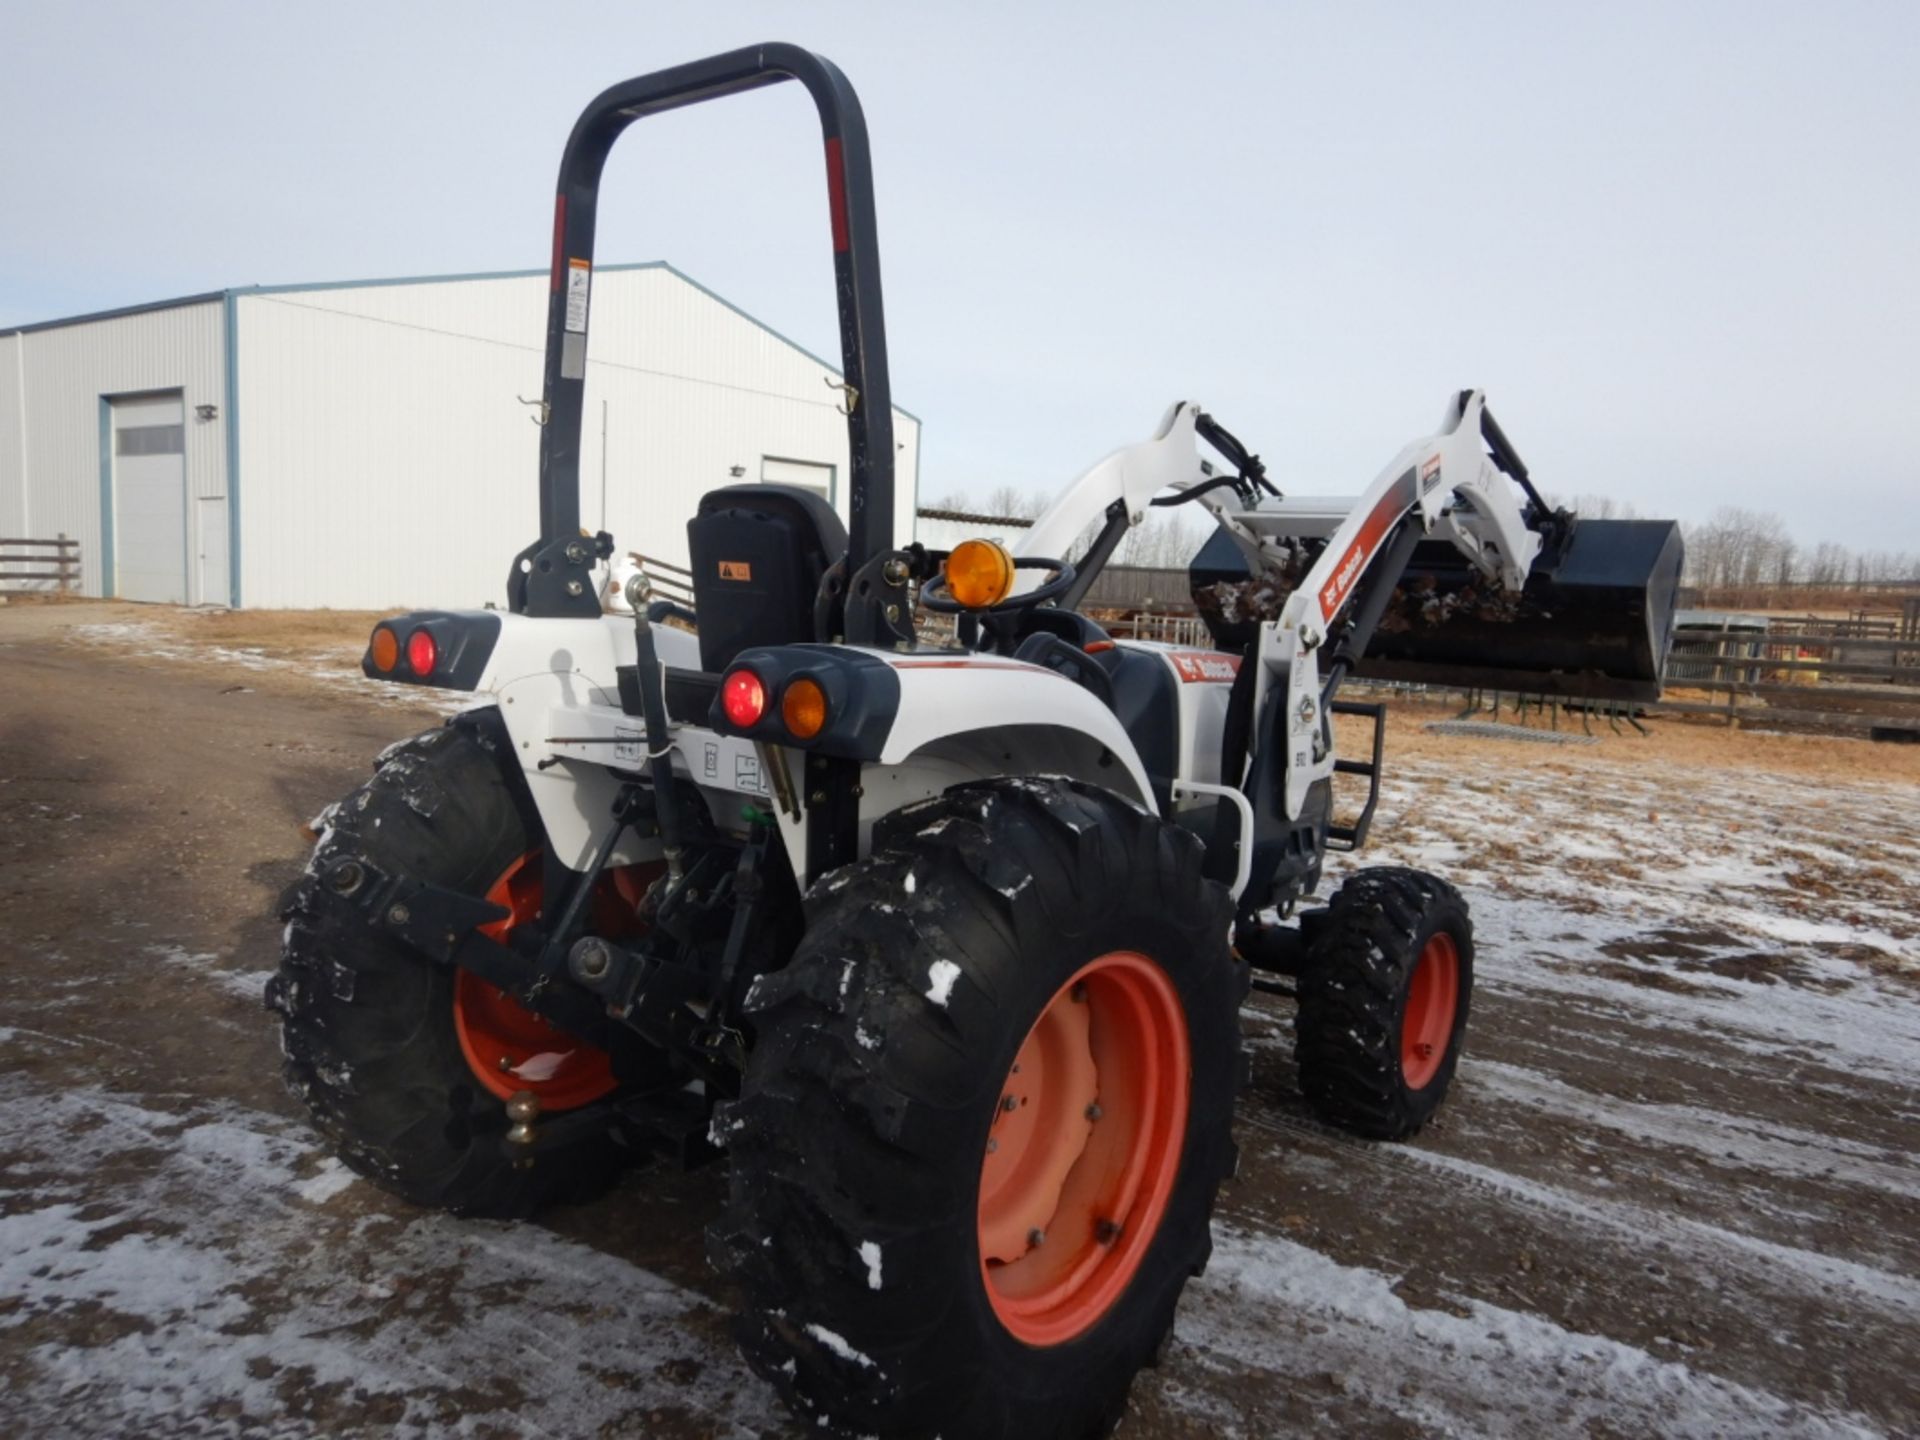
[{"x": 1678, "y": 244}]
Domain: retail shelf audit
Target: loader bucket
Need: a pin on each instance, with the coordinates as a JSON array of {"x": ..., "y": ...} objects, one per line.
[{"x": 1594, "y": 621}]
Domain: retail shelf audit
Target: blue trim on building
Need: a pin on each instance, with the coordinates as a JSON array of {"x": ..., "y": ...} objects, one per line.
[
  {"x": 106, "y": 499},
  {"x": 230, "y": 413},
  {"x": 118, "y": 314},
  {"x": 381, "y": 282},
  {"x": 229, "y": 299},
  {"x": 665, "y": 265},
  {"x": 756, "y": 320}
]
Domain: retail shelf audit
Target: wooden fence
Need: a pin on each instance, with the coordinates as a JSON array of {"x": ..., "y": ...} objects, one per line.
[
  {"x": 32, "y": 563},
  {"x": 1801, "y": 674}
]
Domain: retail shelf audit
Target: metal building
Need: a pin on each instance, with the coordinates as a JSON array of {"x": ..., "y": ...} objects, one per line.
[{"x": 368, "y": 444}]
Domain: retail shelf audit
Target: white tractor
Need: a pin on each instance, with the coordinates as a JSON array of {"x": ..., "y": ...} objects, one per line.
[{"x": 942, "y": 948}]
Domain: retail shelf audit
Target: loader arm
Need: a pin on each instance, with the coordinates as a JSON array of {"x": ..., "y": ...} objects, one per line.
[{"x": 1446, "y": 486}]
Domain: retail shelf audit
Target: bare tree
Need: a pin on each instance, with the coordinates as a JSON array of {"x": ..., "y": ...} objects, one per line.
[{"x": 1005, "y": 500}]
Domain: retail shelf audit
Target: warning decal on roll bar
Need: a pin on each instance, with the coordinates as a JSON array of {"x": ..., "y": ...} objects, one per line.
[{"x": 579, "y": 277}]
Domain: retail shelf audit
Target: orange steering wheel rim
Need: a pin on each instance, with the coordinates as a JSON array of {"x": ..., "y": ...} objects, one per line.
[
  {"x": 507, "y": 1046},
  {"x": 1085, "y": 1148}
]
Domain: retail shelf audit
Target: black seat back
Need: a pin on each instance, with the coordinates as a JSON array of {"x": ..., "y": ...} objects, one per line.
[{"x": 758, "y": 552}]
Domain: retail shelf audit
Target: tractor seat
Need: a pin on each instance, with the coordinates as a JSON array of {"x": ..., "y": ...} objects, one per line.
[{"x": 758, "y": 553}]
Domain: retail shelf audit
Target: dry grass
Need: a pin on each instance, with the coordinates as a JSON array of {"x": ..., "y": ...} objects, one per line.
[
  {"x": 1706, "y": 743},
  {"x": 291, "y": 633}
]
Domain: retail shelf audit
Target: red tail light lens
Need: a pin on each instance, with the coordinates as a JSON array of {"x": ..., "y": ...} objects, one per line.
[
  {"x": 743, "y": 698},
  {"x": 422, "y": 652}
]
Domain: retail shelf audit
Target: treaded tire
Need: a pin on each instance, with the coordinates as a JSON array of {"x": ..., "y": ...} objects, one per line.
[
  {"x": 367, "y": 1026},
  {"x": 1353, "y": 994},
  {"x": 858, "y": 1140}
]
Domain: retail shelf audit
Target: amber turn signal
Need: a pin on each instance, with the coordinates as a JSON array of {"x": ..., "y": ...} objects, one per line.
[
  {"x": 979, "y": 573},
  {"x": 803, "y": 708},
  {"x": 385, "y": 648}
]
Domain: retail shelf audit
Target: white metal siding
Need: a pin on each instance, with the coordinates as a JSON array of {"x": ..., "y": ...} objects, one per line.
[
  {"x": 13, "y": 459},
  {"x": 385, "y": 459},
  {"x": 50, "y": 468}
]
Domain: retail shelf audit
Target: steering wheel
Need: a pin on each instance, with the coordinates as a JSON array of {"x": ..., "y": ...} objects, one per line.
[{"x": 935, "y": 596}]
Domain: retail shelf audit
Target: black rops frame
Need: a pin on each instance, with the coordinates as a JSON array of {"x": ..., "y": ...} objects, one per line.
[{"x": 553, "y": 575}]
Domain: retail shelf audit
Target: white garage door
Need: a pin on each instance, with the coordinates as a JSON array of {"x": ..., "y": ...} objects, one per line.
[{"x": 150, "y": 499}]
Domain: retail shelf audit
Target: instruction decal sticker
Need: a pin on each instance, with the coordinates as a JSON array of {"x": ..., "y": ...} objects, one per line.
[{"x": 579, "y": 278}]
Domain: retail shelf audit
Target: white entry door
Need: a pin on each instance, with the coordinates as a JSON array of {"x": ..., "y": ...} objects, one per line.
[
  {"x": 150, "y": 499},
  {"x": 808, "y": 474}
]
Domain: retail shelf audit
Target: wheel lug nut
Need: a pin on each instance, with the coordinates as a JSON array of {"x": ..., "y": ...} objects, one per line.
[
  {"x": 1094, "y": 1111},
  {"x": 992, "y": 1146},
  {"x": 1036, "y": 1237},
  {"x": 1007, "y": 1102},
  {"x": 1106, "y": 1232}
]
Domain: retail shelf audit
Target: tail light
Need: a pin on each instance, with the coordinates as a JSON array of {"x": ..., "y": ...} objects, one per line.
[
  {"x": 422, "y": 652},
  {"x": 384, "y": 648},
  {"x": 803, "y": 708},
  {"x": 744, "y": 698}
]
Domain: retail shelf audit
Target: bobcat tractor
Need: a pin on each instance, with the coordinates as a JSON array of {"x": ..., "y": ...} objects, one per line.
[{"x": 941, "y": 947}]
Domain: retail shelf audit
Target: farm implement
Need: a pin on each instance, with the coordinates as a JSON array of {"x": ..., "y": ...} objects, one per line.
[{"x": 941, "y": 948}]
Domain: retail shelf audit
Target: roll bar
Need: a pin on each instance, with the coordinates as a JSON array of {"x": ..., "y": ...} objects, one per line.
[{"x": 551, "y": 576}]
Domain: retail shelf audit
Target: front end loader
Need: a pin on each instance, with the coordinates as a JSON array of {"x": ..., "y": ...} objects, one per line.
[{"x": 942, "y": 947}]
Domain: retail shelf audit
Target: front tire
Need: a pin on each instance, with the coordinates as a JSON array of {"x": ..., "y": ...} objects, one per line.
[
  {"x": 384, "y": 1047},
  {"x": 986, "y": 1114},
  {"x": 1384, "y": 994}
]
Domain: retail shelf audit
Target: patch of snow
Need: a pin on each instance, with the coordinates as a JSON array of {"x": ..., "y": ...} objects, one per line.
[
  {"x": 225, "y": 1287},
  {"x": 1264, "y": 1296},
  {"x": 870, "y": 1255},
  {"x": 909, "y": 882},
  {"x": 839, "y": 1346},
  {"x": 543, "y": 1066},
  {"x": 940, "y": 976},
  {"x": 324, "y": 1184},
  {"x": 1767, "y": 1145}
]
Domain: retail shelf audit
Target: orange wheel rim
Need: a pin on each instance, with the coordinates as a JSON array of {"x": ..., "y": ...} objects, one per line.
[
  {"x": 508, "y": 1047},
  {"x": 1084, "y": 1149},
  {"x": 1433, "y": 996}
]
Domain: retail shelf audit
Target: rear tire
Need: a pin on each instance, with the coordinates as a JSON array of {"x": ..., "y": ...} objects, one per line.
[
  {"x": 1384, "y": 993},
  {"x": 368, "y": 1026},
  {"x": 868, "y": 1228}
]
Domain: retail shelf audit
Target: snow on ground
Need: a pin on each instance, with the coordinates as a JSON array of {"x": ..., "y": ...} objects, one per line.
[
  {"x": 1673, "y": 1192},
  {"x": 338, "y": 670},
  {"x": 223, "y": 1272},
  {"x": 1480, "y": 1370}
]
